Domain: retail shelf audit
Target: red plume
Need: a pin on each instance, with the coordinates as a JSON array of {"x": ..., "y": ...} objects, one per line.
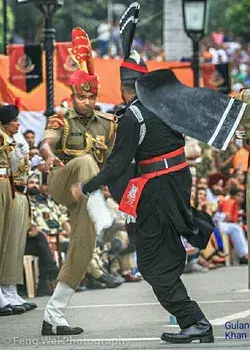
[
  {"x": 81, "y": 50},
  {"x": 18, "y": 103}
]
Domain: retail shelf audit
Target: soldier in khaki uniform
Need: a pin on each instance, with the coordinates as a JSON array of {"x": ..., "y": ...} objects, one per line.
[
  {"x": 77, "y": 142},
  {"x": 15, "y": 164},
  {"x": 5, "y": 205}
]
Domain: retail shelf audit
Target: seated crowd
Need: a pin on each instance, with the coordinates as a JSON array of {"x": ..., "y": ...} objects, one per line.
[
  {"x": 224, "y": 199},
  {"x": 114, "y": 258}
]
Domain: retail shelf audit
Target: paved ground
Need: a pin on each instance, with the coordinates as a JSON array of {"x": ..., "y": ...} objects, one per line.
[{"x": 130, "y": 317}]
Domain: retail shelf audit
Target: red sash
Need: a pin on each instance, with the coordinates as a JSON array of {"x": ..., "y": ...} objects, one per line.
[{"x": 132, "y": 194}]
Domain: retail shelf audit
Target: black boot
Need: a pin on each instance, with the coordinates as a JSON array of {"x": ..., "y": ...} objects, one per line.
[
  {"x": 202, "y": 330},
  {"x": 95, "y": 284},
  {"x": 60, "y": 330},
  {"x": 16, "y": 309},
  {"x": 5, "y": 311},
  {"x": 29, "y": 306}
]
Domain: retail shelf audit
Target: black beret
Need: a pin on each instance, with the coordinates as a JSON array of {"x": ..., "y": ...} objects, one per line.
[{"x": 8, "y": 113}]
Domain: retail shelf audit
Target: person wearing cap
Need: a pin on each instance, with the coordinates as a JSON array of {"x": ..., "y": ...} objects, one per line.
[
  {"x": 6, "y": 200},
  {"x": 12, "y": 247},
  {"x": 157, "y": 202},
  {"x": 160, "y": 109},
  {"x": 76, "y": 145}
]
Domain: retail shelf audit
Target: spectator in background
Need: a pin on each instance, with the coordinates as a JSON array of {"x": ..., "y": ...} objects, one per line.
[
  {"x": 218, "y": 36},
  {"x": 115, "y": 37},
  {"x": 104, "y": 36},
  {"x": 227, "y": 221},
  {"x": 240, "y": 198},
  {"x": 29, "y": 136},
  {"x": 241, "y": 179},
  {"x": 240, "y": 159},
  {"x": 202, "y": 182},
  {"x": 34, "y": 151},
  {"x": 215, "y": 190}
]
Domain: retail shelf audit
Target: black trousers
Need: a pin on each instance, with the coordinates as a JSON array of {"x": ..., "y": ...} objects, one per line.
[
  {"x": 38, "y": 246},
  {"x": 161, "y": 260}
]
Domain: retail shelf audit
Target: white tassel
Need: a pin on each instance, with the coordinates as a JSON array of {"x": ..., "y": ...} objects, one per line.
[
  {"x": 99, "y": 212},
  {"x": 129, "y": 218}
]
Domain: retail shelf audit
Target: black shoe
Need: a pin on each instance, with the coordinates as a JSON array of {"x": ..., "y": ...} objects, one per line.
[
  {"x": 16, "y": 309},
  {"x": 29, "y": 306},
  {"x": 109, "y": 281},
  {"x": 201, "y": 330},
  {"x": 95, "y": 284},
  {"x": 60, "y": 330},
  {"x": 5, "y": 311}
]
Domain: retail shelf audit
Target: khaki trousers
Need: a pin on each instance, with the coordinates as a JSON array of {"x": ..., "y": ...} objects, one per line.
[
  {"x": 83, "y": 235},
  {"x": 5, "y": 216},
  {"x": 12, "y": 271}
]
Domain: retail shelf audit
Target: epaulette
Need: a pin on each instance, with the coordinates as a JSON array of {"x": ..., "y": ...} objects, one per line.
[
  {"x": 244, "y": 95},
  {"x": 56, "y": 121},
  {"x": 106, "y": 116}
]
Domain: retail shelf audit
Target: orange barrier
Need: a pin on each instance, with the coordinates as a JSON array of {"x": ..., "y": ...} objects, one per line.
[{"x": 106, "y": 69}]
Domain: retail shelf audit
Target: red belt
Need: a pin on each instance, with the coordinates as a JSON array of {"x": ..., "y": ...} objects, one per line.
[{"x": 149, "y": 169}]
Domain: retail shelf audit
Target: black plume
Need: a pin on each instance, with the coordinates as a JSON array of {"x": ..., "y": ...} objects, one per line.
[{"x": 127, "y": 27}]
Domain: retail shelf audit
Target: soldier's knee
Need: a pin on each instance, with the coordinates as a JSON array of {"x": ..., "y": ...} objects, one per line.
[{"x": 88, "y": 159}]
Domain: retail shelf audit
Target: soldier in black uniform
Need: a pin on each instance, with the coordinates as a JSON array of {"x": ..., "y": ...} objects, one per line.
[
  {"x": 163, "y": 210},
  {"x": 157, "y": 202}
]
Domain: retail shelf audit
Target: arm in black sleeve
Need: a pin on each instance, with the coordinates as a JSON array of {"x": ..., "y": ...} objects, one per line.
[{"x": 125, "y": 147}]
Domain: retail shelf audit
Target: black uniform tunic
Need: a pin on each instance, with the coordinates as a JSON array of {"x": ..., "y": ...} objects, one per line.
[{"x": 163, "y": 212}]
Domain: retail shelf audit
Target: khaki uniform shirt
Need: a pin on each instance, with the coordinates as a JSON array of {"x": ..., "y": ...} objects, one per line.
[
  {"x": 7, "y": 145},
  {"x": 5, "y": 150},
  {"x": 75, "y": 135}
]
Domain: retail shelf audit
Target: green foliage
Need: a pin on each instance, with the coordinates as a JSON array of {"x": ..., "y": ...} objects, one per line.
[
  {"x": 10, "y": 23},
  {"x": 88, "y": 14},
  {"x": 239, "y": 17},
  {"x": 230, "y": 15}
]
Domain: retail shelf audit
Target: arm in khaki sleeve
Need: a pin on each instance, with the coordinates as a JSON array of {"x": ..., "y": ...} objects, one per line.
[{"x": 52, "y": 136}]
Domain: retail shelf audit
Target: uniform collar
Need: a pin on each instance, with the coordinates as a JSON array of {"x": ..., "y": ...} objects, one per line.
[
  {"x": 121, "y": 111},
  {"x": 131, "y": 101},
  {"x": 73, "y": 114}
]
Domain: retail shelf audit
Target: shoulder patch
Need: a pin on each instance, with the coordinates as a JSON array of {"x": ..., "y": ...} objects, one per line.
[
  {"x": 55, "y": 121},
  {"x": 107, "y": 116}
]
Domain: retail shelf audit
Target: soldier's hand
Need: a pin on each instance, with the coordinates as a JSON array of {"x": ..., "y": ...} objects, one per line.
[
  {"x": 76, "y": 191},
  {"x": 51, "y": 161}
]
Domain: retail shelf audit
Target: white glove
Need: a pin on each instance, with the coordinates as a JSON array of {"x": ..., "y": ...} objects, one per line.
[
  {"x": 18, "y": 154},
  {"x": 21, "y": 150}
]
